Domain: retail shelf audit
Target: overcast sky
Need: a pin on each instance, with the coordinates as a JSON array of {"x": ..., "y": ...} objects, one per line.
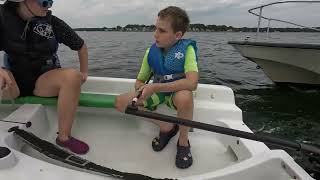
[{"x": 109, "y": 13}]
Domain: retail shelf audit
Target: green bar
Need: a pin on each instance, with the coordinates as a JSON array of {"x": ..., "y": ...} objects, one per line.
[{"x": 86, "y": 100}]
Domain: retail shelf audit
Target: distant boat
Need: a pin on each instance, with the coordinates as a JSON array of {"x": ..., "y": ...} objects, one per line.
[{"x": 281, "y": 61}]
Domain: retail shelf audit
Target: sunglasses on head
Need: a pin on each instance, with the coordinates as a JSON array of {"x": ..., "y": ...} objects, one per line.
[{"x": 45, "y": 3}]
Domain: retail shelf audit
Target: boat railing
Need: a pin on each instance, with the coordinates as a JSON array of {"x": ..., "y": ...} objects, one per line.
[{"x": 260, "y": 16}]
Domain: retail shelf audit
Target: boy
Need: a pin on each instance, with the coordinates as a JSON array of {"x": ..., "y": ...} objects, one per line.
[{"x": 173, "y": 63}]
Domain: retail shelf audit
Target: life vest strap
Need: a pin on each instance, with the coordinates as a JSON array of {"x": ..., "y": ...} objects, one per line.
[{"x": 168, "y": 78}]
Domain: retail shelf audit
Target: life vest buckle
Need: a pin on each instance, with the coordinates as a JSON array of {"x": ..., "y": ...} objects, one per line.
[{"x": 168, "y": 77}]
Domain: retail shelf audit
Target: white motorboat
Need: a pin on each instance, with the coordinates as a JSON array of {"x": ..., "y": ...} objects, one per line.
[
  {"x": 123, "y": 142},
  {"x": 282, "y": 61}
]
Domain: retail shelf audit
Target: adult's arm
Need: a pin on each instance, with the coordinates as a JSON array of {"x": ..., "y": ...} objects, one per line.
[{"x": 67, "y": 36}]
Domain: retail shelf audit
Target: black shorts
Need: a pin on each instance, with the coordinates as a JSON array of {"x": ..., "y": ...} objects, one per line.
[{"x": 26, "y": 80}]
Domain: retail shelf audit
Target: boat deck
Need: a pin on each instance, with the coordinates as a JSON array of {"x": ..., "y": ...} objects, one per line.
[
  {"x": 6, "y": 110},
  {"x": 123, "y": 142}
]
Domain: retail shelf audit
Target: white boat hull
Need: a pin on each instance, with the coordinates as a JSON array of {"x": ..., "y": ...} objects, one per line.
[
  {"x": 123, "y": 142},
  {"x": 282, "y": 62}
]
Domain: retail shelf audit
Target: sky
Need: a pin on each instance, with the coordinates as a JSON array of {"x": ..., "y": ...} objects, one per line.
[{"x": 110, "y": 13}]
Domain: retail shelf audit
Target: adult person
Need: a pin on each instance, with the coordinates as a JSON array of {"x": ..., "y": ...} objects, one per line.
[{"x": 30, "y": 36}]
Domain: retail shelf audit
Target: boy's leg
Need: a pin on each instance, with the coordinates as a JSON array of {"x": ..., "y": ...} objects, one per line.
[
  {"x": 183, "y": 100},
  {"x": 66, "y": 84},
  {"x": 123, "y": 100},
  {"x": 164, "y": 126},
  {"x": 167, "y": 130},
  {"x": 151, "y": 104}
]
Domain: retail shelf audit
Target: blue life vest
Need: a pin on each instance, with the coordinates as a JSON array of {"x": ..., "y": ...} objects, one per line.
[{"x": 171, "y": 67}]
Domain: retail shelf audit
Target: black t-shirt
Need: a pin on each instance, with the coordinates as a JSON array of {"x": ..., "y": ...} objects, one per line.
[
  {"x": 66, "y": 35},
  {"x": 1, "y": 17},
  {"x": 63, "y": 32}
]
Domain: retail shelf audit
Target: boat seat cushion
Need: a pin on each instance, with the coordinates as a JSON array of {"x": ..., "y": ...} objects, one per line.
[{"x": 86, "y": 100}]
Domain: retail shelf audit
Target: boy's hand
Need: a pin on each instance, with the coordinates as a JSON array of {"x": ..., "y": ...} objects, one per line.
[{"x": 147, "y": 91}]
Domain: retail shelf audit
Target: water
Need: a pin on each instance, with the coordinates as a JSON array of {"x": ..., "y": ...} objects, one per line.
[{"x": 286, "y": 111}]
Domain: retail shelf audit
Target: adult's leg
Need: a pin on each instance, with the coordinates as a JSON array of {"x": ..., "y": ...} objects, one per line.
[
  {"x": 66, "y": 84},
  {"x": 183, "y": 100},
  {"x": 13, "y": 91}
]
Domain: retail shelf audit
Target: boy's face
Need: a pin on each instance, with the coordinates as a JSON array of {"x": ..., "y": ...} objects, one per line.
[{"x": 164, "y": 35}]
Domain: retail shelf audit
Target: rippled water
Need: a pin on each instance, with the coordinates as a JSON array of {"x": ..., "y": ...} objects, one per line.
[{"x": 285, "y": 111}]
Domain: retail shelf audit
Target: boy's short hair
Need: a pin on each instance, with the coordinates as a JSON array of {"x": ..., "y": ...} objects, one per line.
[{"x": 179, "y": 18}]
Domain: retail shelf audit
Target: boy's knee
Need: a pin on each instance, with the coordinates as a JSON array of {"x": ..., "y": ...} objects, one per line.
[
  {"x": 121, "y": 102},
  {"x": 183, "y": 100},
  {"x": 117, "y": 104}
]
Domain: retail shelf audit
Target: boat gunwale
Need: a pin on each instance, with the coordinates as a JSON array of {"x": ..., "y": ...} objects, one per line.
[{"x": 275, "y": 44}]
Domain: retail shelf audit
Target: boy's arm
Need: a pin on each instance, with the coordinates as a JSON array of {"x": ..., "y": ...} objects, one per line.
[
  {"x": 138, "y": 84},
  {"x": 144, "y": 73}
]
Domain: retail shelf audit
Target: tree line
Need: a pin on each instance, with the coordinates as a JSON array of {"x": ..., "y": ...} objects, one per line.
[{"x": 196, "y": 28}]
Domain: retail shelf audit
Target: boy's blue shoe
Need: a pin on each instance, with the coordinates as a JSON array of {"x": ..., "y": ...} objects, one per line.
[
  {"x": 160, "y": 142},
  {"x": 183, "y": 157}
]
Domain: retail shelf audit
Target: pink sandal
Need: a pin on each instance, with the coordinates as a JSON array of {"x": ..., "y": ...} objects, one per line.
[{"x": 75, "y": 145}]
